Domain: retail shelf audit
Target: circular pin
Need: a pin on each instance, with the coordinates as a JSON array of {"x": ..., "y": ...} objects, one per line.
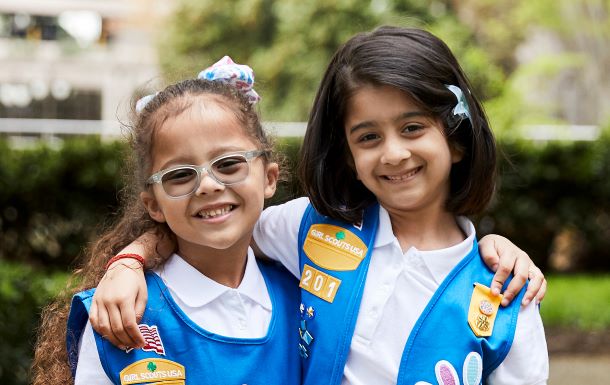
[{"x": 486, "y": 307}]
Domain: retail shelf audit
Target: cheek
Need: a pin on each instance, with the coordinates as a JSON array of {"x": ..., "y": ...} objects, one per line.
[{"x": 363, "y": 161}]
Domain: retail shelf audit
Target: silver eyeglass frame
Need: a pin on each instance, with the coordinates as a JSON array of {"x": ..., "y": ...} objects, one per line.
[{"x": 157, "y": 178}]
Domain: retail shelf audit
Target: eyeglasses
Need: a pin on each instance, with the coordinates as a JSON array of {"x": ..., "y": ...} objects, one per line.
[{"x": 229, "y": 169}]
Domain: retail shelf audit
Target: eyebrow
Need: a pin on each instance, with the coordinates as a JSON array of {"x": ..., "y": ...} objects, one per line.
[
  {"x": 182, "y": 161},
  {"x": 404, "y": 115}
]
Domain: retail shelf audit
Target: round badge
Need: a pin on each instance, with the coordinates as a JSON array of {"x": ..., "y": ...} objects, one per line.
[{"x": 486, "y": 307}]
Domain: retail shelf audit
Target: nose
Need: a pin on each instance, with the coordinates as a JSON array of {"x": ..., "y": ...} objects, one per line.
[
  {"x": 394, "y": 152},
  {"x": 207, "y": 184}
]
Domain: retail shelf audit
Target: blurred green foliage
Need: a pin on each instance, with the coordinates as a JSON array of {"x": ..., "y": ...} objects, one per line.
[
  {"x": 23, "y": 292},
  {"x": 290, "y": 42},
  {"x": 51, "y": 200},
  {"x": 577, "y": 301},
  {"x": 553, "y": 202}
]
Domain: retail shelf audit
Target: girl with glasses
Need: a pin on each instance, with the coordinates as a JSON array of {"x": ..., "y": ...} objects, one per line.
[{"x": 202, "y": 168}]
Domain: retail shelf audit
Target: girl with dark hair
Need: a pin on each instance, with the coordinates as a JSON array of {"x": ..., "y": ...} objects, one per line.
[
  {"x": 397, "y": 153},
  {"x": 202, "y": 167}
]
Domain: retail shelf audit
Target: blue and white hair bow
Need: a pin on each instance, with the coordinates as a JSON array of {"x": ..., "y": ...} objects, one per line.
[
  {"x": 239, "y": 75},
  {"x": 225, "y": 70},
  {"x": 461, "y": 108}
]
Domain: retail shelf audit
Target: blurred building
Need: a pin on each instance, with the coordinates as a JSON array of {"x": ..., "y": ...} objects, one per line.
[{"x": 75, "y": 59}]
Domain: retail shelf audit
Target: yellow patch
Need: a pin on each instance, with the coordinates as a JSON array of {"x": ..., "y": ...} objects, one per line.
[
  {"x": 483, "y": 310},
  {"x": 334, "y": 248},
  {"x": 320, "y": 284},
  {"x": 155, "y": 371}
]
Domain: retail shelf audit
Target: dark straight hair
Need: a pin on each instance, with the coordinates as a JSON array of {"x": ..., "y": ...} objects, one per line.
[{"x": 421, "y": 65}]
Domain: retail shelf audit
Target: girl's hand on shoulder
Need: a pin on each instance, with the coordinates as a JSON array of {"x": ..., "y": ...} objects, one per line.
[
  {"x": 504, "y": 257},
  {"x": 118, "y": 304}
]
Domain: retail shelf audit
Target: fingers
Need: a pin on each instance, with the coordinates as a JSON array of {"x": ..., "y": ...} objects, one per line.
[
  {"x": 131, "y": 335},
  {"x": 100, "y": 321},
  {"x": 495, "y": 251},
  {"x": 115, "y": 315},
  {"x": 537, "y": 285},
  {"x": 520, "y": 277},
  {"x": 93, "y": 319},
  {"x": 487, "y": 249},
  {"x": 506, "y": 263},
  {"x": 131, "y": 321},
  {"x": 503, "y": 257},
  {"x": 542, "y": 291},
  {"x": 141, "y": 300}
]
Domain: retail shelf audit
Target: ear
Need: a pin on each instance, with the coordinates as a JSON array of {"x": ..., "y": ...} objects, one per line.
[
  {"x": 152, "y": 206},
  {"x": 457, "y": 153},
  {"x": 272, "y": 173}
]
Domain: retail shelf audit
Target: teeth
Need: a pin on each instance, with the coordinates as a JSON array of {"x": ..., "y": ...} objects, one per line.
[
  {"x": 215, "y": 212},
  {"x": 403, "y": 177}
]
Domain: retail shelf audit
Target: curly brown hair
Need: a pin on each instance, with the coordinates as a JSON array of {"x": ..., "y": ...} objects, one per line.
[{"x": 50, "y": 364}]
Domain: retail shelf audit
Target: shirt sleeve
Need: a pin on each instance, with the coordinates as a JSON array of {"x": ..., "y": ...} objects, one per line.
[
  {"x": 276, "y": 233},
  {"x": 89, "y": 370},
  {"x": 527, "y": 362}
]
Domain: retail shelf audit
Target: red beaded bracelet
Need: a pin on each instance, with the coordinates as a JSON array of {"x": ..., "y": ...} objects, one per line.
[{"x": 137, "y": 257}]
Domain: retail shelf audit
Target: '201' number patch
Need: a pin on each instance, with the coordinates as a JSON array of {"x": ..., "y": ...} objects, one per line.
[{"x": 318, "y": 283}]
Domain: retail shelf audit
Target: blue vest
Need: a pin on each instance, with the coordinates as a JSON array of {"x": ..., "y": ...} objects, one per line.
[
  {"x": 441, "y": 342},
  {"x": 181, "y": 351}
]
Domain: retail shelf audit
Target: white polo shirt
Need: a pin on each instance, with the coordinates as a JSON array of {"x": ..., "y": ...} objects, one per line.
[
  {"x": 398, "y": 287},
  {"x": 244, "y": 312}
]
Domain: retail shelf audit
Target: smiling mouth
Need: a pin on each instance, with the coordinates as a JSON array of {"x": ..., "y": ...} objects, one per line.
[
  {"x": 215, "y": 212},
  {"x": 398, "y": 178}
]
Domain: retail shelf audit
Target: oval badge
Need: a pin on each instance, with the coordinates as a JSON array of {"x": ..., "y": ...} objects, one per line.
[{"x": 333, "y": 247}]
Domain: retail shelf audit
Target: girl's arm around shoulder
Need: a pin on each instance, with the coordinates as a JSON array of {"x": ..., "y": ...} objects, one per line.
[
  {"x": 120, "y": 299},
  {"x": 276, "y": 233}
]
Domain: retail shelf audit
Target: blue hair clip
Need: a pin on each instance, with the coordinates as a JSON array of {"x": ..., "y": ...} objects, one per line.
[{"x": 461, "y": 108}]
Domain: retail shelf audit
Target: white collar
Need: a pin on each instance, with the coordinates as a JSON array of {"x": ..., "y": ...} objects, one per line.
[
  {"x": 385, "y": 235},
  {"x": 196, "y": 290},
  {"x": 440, "y": 262}
]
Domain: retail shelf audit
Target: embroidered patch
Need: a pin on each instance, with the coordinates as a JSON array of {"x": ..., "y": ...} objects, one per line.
[
  {"x": 153, "y": 370},
  {"x": 446, "y": 374},
  {"x": 320, "y": 284},
  {"x": 483, "y": 310},
  {"x": 333, "y": 247},
  {"x": 152, "y": 339},
  {"x": 472, "y": 373}
]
